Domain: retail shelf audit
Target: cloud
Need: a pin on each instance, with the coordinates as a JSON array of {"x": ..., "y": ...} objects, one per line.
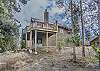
[
  {"x": 35, "y": 8},
  {"x": 57, "y": 10},
  {"x": 32, "y": 9}
]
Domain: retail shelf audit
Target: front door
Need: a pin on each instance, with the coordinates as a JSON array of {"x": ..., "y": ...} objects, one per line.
[{"x": 39, "y": 42}]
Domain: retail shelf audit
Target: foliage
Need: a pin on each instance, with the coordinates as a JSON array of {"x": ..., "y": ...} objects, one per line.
[
  {"x": 23, "y": 44},
  {"x": 91, "y": 59},
  {"x": 90, "y": 17},
  {"x": 75, "y": 38},
  {"x": 60, "y": 45},
  {"x": 8, "y": 26},
  {"x": 87, "y": 34},
  {"x": 96, "y": 49},
  {"x": 90, "y": 14}
]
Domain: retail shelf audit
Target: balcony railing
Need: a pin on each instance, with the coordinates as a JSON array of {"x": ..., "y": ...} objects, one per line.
[{"x": 43, "y": 26}]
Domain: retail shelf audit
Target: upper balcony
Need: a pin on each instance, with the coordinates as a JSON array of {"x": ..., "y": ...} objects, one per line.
[{"x": 42, "y": 26}]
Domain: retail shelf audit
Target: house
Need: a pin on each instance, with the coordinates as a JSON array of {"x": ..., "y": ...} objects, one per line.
[
  {"x": 40, "y": 34},
  {"x": 94, "y": 40}
]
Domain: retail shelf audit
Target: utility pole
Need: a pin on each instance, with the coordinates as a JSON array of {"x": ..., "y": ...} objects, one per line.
[{"x": 81, "y": 14}]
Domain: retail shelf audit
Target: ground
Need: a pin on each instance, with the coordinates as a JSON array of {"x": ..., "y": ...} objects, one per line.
[{"x": 54, "y": 60}]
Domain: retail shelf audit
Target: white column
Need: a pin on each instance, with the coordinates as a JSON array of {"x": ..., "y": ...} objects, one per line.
[
  {"x": 30, "y": 49},
  {"x": 26, "y": 40},
  {"x": 35, "y": 41},
  {"x": 31, "y": 39}
]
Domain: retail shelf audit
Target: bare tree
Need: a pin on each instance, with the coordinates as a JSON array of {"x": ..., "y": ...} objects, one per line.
[
  {"x": 99, "y": 19},
  {"x": 75, "y": 39},
  {"x": 81, "y": 14},
  {"x": 74, "y": 53},
  {"x": 98, "y": 3}
]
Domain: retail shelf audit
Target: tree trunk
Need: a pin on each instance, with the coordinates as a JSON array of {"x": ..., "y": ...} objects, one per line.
[
  {"x": 98, "y": 3},
  {"x": 83, "y": 48},
  {"x": 74, "y": 54},
  {"x": 99, "y": 19},
  {"x": 74, "y": 51},
  {"x": 99, "y": 59}
]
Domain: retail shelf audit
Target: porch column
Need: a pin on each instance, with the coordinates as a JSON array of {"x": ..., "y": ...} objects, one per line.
[
  {"x": 35, "y": 41},
  {"x": 47, "y": 41},
  {"x": 26, "y": 40},
  {"x": 30, "y": 43},
  {"x": 31, "y": 39}
]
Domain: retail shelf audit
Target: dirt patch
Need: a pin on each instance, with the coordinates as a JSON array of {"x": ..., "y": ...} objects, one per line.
[
  {"x": 14, "y": 61},
  {"x": 43, "y": 61}
]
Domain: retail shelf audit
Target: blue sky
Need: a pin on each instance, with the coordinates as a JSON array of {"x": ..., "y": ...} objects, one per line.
[
  {"x": 31, "y": 9},
  {"x": 35, "y": 8}
]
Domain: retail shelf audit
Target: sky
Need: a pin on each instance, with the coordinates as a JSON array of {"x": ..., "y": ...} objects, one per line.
[
  {"x": 36, "y": 8},
  {"x": 31, "y": 9}
]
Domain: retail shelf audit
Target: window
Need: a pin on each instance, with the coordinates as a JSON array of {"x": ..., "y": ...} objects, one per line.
[{"x": 28, "y": 35}]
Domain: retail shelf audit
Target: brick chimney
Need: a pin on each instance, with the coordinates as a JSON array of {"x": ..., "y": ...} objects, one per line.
[{"x": 46, "y": 16}]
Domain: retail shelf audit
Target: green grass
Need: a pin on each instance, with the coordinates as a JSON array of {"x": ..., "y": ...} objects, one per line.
[{"x": 91, "y": 59}]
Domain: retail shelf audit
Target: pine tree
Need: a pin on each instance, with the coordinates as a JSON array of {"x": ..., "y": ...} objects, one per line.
[
  {"x": 8, "y": 26},
  {"x": 75, "y": 38},
  {"x": 81, "y": 14}
]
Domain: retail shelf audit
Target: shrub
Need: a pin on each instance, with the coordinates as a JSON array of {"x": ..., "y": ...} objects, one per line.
[{"x": 23, "y": 44}]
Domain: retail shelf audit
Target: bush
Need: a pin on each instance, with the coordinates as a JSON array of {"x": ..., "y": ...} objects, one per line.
[
  {"x": 2, "y": 49},
  {"x": 23, "y": 44},
  {"x": 60, "y": 45},
  {"x": 96, "y": 49}
]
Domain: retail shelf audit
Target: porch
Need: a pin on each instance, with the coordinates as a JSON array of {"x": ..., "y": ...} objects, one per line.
[{"x": 39, "y": 39}]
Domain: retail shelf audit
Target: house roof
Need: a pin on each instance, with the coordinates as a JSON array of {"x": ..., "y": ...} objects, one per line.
[
  {"x": 93, "y": 38},
  {"x": 64, "y": 27}
]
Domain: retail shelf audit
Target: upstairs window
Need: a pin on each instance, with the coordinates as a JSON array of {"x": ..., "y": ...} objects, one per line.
[{"x": 28, "y": 35}]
